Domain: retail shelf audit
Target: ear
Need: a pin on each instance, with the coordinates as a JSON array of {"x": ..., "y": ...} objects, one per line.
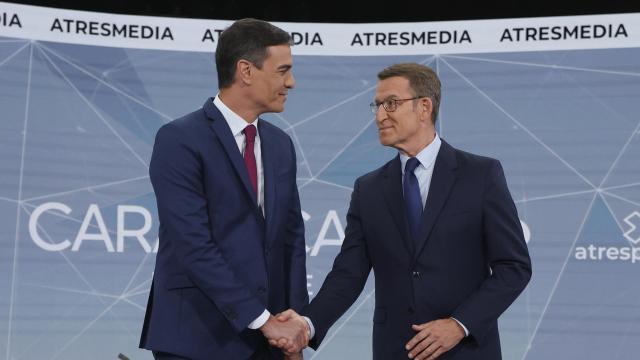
[
  {"x": 244, "y": 70},
  {"x": 426, "y": 108}
]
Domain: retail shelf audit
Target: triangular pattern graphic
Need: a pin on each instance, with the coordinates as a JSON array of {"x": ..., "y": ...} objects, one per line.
[
  {"x": 60, "y": 123},
  {"x": 481, "y": 127},
  {"x": 554, "y": 104},
  {"x": 605, "y": 281}
]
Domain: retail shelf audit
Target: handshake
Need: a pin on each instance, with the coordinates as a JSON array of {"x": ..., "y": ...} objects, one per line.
[{"x": 289, "y": 332}]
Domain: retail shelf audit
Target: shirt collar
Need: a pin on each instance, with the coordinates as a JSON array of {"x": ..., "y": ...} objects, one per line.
[
  {"x": 236, "y": 123},
  {"x": 426, "y": 156}
]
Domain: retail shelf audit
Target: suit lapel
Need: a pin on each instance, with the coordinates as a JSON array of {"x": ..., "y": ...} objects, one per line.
[
  {"x": 442, "y": 181},
  {"x": 392, "y": 188},
  {"x": 222, "y": 130},
  {"x": 268, "y": 167}
]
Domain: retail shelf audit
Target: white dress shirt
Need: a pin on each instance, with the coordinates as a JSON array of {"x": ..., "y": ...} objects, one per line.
[{"x": 237, "y": 125}]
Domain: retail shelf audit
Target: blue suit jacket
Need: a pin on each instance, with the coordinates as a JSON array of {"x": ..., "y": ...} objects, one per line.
[
  {"x": 469, "y": 261},
  {"x": 220, "y": 263}
]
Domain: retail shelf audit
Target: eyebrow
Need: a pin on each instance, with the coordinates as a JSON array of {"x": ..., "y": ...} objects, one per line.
[{"x": 390, "y": 97}]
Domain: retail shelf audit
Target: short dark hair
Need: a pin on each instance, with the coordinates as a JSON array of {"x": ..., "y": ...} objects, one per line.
[
  {"x": 422, "y": 79},
  {"x": 246, "y": 39}
]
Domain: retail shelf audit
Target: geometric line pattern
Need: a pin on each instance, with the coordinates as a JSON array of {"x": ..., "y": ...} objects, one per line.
[{"x": 539, "y": 113}]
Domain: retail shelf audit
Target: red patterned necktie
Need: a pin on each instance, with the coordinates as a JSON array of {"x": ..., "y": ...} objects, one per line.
[{"x": 250, "y": 156}]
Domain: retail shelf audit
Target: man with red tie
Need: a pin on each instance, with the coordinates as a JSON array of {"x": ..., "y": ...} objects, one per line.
[{"x": 232, "y": 249}]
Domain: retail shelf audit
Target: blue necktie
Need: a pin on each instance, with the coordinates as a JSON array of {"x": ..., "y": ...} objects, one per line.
[{"x": 412, "y": 198}]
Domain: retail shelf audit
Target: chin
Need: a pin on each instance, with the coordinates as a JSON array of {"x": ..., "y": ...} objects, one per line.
[
  {"x": 385, "y": 140},
  {"x": 277, "y": 107}
]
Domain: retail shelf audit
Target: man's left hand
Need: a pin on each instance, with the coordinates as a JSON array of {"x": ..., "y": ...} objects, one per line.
[{"x": 434, "y": 339}]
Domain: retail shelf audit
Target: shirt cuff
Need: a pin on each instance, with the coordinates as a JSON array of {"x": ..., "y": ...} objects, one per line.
[
  {"x": 260, "y": 320},
  {"x": 312, "y": 330},
  {"x": 466, "y": 332}
]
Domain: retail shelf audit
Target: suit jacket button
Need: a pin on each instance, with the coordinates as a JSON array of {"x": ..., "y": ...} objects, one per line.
[
  {"x": 261, "y": 289},
  {"x": 416, "y": 274},
  {"x": 410, "y": 310}
]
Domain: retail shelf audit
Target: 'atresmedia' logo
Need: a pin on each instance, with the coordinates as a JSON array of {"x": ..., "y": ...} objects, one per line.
[
  {"x": 631, "y": 252},
  {"x": 633, "y": 233}
]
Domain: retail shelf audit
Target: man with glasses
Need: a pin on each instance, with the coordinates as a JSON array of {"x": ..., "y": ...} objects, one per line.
[
  {"x": 440, "y": 230},
  {"x": 232, "y": 250}
]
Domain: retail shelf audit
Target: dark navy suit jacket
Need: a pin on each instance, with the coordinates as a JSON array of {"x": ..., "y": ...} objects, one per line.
[
  {"x": 469, "y": 261},
  {"x": 220, "y": 263}
]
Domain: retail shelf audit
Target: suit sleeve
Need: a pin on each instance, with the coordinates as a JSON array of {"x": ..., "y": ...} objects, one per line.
[
  {"x": 295, "y": 246},
  {"x": 507, "y": 256},
  {"x": 177, "y": 177},
  {"x": 347, "y": 278}
]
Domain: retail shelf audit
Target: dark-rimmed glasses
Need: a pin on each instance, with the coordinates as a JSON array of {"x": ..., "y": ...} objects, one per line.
[{"x": 390, "y": 105}]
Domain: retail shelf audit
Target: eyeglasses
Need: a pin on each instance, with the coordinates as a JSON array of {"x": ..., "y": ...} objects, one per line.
[{"x": 390, "y": 105}]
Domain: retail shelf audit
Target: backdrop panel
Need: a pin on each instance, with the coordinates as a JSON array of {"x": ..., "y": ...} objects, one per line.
[{"x": 78, "y": 223}]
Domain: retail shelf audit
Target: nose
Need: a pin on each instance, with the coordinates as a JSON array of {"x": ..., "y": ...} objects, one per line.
[
  {"x": 380, "y": 114},
  {"x": 290, "y": 81}
]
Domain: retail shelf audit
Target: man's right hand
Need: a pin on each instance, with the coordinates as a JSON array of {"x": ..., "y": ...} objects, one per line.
[{"x": 291, "y": 335}]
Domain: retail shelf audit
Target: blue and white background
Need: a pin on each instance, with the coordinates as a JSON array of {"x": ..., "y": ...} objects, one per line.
[{"x": 78, "y": 224}]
